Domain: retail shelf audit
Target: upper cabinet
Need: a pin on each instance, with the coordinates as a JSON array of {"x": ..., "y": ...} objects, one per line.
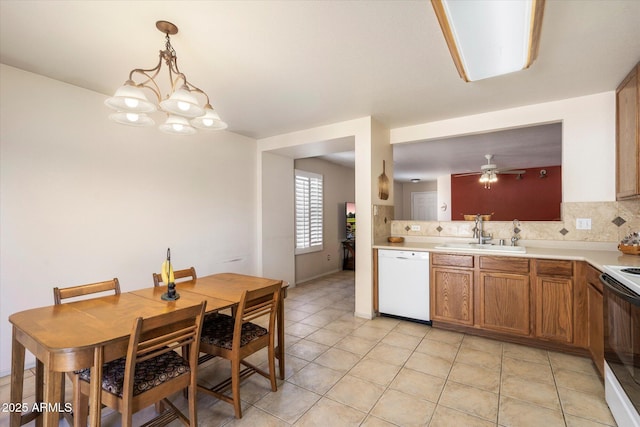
[{"x": 628, "y": 137}]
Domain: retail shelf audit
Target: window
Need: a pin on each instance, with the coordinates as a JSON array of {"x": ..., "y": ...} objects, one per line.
[{"x": 308, "y": 212}]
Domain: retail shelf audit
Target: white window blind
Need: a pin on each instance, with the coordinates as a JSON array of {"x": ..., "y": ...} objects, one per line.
[{"x": 309, "y": 209}]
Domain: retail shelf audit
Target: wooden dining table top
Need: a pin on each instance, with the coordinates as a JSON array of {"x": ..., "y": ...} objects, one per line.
[{"x": 98, "y": 321}]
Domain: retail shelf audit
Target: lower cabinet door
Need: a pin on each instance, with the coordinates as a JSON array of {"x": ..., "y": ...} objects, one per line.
[
  {"x": 452, "y": 295},
  {"x": 505, "y": 301},
  {"x": 554, "y": 309}
]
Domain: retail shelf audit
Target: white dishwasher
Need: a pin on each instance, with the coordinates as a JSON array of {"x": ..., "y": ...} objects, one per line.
[{"x": 403, "y": 284}]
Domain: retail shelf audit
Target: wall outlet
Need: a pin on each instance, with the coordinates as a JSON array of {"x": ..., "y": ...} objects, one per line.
[
  {"x": 415, "y": 228},
  {"x": 328, "y": 257},
  {"x": 583, "y": 223}
]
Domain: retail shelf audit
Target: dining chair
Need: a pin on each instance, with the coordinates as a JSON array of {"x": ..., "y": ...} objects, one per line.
[
  {"x": 152, "y": 371},
  {"x": 60, "y": 294},
  {"x": 188, "y": 273},
  {"x": 236, "y": 337}
]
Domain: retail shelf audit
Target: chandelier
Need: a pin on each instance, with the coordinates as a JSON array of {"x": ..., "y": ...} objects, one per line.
[{"x": 184, "y": 113}]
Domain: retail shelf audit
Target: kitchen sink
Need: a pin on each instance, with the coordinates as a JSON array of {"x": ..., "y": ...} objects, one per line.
[{"x": 485, "y": 247}]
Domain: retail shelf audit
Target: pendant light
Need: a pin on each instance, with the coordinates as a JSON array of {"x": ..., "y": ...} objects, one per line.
[{"x": 184, "y": 113}]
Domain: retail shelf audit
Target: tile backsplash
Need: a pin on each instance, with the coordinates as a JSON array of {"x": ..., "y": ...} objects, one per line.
[{"x": 610, "y": 222}]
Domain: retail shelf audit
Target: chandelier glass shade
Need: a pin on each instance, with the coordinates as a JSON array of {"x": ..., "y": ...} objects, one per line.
[
  {"x": 487, "y": 178},
  {"x": 185, "y": 114}
]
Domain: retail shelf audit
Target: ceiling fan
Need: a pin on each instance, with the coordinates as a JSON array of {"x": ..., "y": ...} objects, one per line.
[
  {"x": 489, "y": 171},
  {"x": 490, "y": 167}
]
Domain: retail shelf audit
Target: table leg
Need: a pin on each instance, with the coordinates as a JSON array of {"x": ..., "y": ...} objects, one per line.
[
  {"x": 17, "y": 379},
  {"x": 95, "y": 399},
  {"x": 280, "y": 350},
  {"x": 39, "y": 387},
  {"x": 51, "y": 400}
]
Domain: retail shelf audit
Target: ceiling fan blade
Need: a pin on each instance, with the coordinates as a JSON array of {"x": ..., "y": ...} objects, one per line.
[
  {"x": 466, "y": 174},
  {"x": 512, "y": 171}
]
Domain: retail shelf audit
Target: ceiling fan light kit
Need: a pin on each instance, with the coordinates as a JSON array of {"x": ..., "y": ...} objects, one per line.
[
  {"x": 184, "y": 113},
  {"x": 488, "y": 38}
]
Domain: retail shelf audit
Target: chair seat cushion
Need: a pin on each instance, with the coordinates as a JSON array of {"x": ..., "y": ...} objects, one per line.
[
  {"x": 217, "y": 329},
  {"x": 148, "y": 374}
]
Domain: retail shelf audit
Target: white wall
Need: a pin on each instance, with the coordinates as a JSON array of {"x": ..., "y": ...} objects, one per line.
[
  {"x": 277, "y": 195},
  {"x": 588, "y": 139},
  {"x": 339, "y": 187},
  {"x": 84, "y": 199}
]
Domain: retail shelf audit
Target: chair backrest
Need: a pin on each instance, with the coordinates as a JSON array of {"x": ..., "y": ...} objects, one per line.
[
  {"x": 187, "y": 274},
  {"x": 60, "y": 294},
  {"x": 154, "y": 336},
  {"x": 254, "y": 305}
]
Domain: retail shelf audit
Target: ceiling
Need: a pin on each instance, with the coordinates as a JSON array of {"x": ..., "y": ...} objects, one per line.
[{"x": 272, "y": 67}]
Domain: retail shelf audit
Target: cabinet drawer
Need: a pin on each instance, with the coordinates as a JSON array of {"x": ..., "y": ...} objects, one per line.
[
  {"x": 500, "y": 263},
  {"x": 452, "y": 260},
  {"x": 550, "y": 267}
]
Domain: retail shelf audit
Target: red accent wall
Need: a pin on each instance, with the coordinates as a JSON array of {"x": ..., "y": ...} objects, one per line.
[{"x": 528, "y": 199}]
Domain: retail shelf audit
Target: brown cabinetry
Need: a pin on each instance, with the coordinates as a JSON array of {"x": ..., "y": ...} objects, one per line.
[
  {"x": 452, "y": 288},
  {"x": 595, "y": 318},
  {"x": 554, "y": 300},
  {"x": 628, "y": 136},
  {"x": 504, "y": 295}
]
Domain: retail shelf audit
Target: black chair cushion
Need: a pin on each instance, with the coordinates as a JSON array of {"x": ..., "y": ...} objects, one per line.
[
  {"x": 148, "y": 374},
  {"x": 217, "y": 329}
]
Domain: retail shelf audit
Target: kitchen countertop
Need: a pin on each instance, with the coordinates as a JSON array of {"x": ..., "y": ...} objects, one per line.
[{"x": 596, "y": 258}]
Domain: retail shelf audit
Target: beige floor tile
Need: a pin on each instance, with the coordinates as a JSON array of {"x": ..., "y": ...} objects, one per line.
[
  {"x": 255, "y": 417},
  {"x": 337, "y": 359},
  {"x": 445, "y": 336},
  {"x": 447, "y": 417},
  {"x": 356, "y": 392},
  {"x": 316, "y": 378},
  {"x": 480, "y": 343},
  {"x": 479, "y": 358},
  {"x": 289, "y": 403},
  {"x": 372, "y": 421},
  {"x": 411, "y": 328},
  {"x": 573, "y": 421},
  {"x": 578, "y": 381},
  {"x": 369, "y": 332},
  {"x": 318, "y": 319},
  {"x": 293, "y": 364},
  {"x": 357, "y": 345},
  {"x": 310, "y": 307},
  {"x": 398, "y": 339},
  {"x": 300, "y": 330},
  {"x": 529, "y": 354},
  {"x": 527, "y": 370},
  {"x": 307, "y": 350},
  {"x": 470, "y": 400},
  {"x": 438, "y": 348},
  {"x": 342, "y": 324},
  {"x": 330, "y": 413},
  {"x": 417, "y": 384},
  {"x": 516, "y": 413},
  {"x": 572, "y": 363},
  {"x": 325, "y": 336},
  {"x": 375, "y": 371},
  {"x": 295, "y": 315},
  {"x": 390, "y": 354},
  {"x": 386, "y": 323},
  {"x": 541, "y": 394},
  {"x": 429, "y": 364},
  {"x": 486, "y": 379},
  {"x": 585, "y": 405},
  {"x": 403, "y": 409}
]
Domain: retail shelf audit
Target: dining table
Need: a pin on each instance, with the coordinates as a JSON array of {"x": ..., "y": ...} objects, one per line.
[{"x": 90, "y": 332}]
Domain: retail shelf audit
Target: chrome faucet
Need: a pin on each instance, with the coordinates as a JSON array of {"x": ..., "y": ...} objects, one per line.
[{"x": 479, "y": 232}]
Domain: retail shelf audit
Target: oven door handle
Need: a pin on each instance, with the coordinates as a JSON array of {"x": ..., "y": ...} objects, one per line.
[{"x": 620, "y": 290}]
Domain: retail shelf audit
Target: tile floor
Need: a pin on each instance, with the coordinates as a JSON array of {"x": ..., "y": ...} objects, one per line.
[{"x": 344, "y": 371}]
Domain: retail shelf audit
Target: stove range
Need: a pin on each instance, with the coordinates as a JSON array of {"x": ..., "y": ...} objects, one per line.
[{"x": 628, "y": 276}]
